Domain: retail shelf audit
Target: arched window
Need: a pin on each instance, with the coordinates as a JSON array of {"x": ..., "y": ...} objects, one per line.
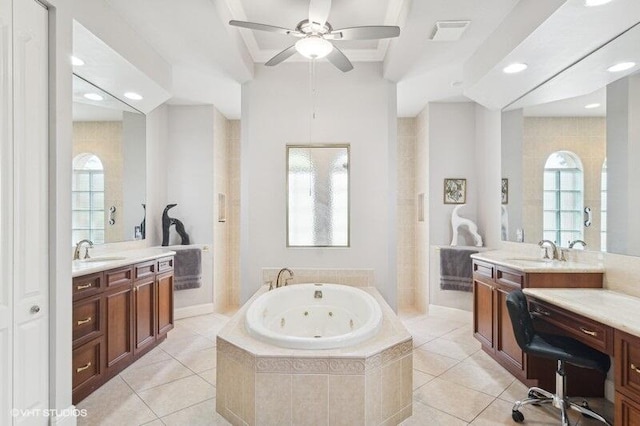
[
  {"x": 603, "y": 207},
  {"x": 563, "y": 198},
  {"x": 87, "y": 202}
]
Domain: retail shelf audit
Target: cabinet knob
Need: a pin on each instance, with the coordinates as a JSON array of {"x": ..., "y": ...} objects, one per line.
[
  {"x": 634, "y": 368},
  {"x": 34, "y": 309}
]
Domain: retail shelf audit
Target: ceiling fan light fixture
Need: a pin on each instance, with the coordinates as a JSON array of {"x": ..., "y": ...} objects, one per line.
[{"x": 314, "y": 47}]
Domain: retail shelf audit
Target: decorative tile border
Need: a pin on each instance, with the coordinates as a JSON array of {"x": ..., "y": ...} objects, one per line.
[
  {"x": 310, "y": 366},
  {"x": 397, "y": 351},
  {"x": 273, "y": 365},
  {"x": 346, "y": 366}
]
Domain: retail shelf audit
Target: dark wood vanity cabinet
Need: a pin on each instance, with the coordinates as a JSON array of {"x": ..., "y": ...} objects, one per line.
[
  {"x": 118, "y": 316},
  {"x": 627, "y": 379},
  {"x": 492, "y": 325}
]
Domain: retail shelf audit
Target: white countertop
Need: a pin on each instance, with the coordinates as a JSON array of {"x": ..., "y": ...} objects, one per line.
[
  {"x": 532, "y": 264},
  {"x": 117, "y": 259},
  {"x": 612, "y": 308}
]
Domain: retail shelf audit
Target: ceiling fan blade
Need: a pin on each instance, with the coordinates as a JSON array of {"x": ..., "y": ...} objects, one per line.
[
  {"x": 339, "y": 60},
  {"x": 373, "y": 32},
  {"x": 262, "y": 27},
  {"x": 319, "y": 11},
  {"x": 282, "y": 56}
]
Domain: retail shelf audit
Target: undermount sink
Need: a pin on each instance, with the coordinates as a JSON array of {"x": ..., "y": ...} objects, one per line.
[{"x": 102, "y": 259}]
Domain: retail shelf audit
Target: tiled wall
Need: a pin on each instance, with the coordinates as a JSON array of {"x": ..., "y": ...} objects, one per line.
[
  {"x": 104, "y": 139},
  {"x": 352, "y": 277},
  {"x": 421, "y": 296},
  {"x": 233, "y": 211},
  {"x": 407, "y": 217},
  {"x": 221, "y": 255},
  {"x": 585, "y": 137}
]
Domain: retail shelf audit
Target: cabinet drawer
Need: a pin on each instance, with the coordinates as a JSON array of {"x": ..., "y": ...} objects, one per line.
[
  {"x": 87, "y": 285},
  {"x": 592, "y": 333},
  {"x": 627, "y": 364},
  {"x": 87, "y": 319},
  {"x": 118, "y": 277},
  {"x": 165, "y": 264},
  {"x": 627, "y": 411},
  {"x": 509, "y": 278},
  {"x": 144, "y": 270},
  {"x": 483, "y": 269},
  {"x": 87, "y": 363}
]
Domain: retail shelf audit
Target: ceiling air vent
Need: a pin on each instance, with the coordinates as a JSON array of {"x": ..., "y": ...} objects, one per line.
[{"x": 449, "y": 30}]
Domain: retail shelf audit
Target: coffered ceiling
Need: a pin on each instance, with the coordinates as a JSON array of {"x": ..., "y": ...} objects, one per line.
[{"x": 211, "y": 60}]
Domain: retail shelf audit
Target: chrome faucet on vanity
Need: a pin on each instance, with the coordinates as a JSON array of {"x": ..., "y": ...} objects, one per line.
[
  {"x": 554, "y": 254},
  {"x": 574, "y": 242},
  {"x": 286, "y": 280},
  {"x": 76, "y": 252}
]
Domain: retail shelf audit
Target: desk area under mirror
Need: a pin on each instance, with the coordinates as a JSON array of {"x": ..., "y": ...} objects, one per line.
[{"x": 568, "y": 155}]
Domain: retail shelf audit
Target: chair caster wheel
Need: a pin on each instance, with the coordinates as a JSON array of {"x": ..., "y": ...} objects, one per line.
[{"x": 517, "y": 416}]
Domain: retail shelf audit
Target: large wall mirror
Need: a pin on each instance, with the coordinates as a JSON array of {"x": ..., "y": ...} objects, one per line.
[
  {"x": 318, "y": 195},
  {"x": 570, "y": 155},
  {"x": 109, "y": 167}
]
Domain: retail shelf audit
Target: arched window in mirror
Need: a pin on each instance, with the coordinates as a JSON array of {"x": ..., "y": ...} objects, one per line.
[
  {"x": 87, "y": 199},
  {"x": 603, "y": 207},
  {"x": 563, "y": 198}
]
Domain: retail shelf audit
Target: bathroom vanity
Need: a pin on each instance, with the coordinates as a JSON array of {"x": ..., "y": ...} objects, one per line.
[
  {"x": 122, "y": 308},
  {"x": 495, "y": 275}
]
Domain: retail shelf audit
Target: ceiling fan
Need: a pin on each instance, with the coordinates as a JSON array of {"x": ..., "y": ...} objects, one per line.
[{"x": 315, "y": 33}]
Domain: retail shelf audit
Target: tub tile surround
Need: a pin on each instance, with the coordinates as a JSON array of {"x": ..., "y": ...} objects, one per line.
[
  {"x": 368, "y": 383},
  {"x": 350, "y": 277}
]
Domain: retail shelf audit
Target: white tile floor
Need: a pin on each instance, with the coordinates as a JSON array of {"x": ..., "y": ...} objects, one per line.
[{"x": 454, "y": 382}]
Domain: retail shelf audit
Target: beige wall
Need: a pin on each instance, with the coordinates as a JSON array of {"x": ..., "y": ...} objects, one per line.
[
  {"x": 406, "y": 212},
  {"x": 104, "y": 139},
  {"x": 233, "y": 210},
  {"x": 422, "y": 227},
  {"x": 585, "y": 137}
]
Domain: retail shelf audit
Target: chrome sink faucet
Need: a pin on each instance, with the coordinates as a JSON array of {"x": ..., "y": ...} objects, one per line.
[
  {"x": 76, "y": 252},
  {"x": 554, "y": 254},
  {"x": 286, "y": 280},
  {"x": 574, "y": 242}
]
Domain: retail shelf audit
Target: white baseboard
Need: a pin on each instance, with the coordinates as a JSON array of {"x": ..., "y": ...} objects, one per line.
[
  {"x": 69, "y": 420},
  {"x": 192, "y": 311}
]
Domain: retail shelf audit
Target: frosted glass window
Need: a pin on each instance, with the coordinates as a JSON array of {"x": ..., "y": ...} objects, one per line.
[
  {"x": 563, "y": 198},
  {"x": 318, "y": 196},
  {"x": 87, "y": 199}
]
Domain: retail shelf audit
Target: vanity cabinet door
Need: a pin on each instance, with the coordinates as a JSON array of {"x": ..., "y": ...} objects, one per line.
[
  {"x": 119, "y": 329},
  {"x": 627, "y": 411},
  {"x": 165, "y": 303},
  {"x": 483, "y": 317},
  {"x": 505, "y": 343},
  {"x": 145, "y": 313}
]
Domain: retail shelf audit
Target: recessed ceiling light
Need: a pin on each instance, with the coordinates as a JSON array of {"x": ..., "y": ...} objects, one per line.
[
  {"x": 133, "y": 96},
  {"x": 591, "y": 3},
  {"x": 515, "y": 68},
  {"x": 93, "y": 96},
  {"x": 592, "y": 106},
  {"x": 622, "y": 66},
  {"x": 76, "y": 62}
]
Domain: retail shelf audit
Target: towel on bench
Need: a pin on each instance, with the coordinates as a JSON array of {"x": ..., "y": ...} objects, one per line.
[{"x": 455, "y": 269}]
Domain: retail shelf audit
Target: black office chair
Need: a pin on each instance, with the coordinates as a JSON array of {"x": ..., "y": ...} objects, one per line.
[{"x": 561, "y": 348}]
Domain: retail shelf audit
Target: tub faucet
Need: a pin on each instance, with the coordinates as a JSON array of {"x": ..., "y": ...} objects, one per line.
[
  {"x": 76, "y": 252},
  {"x": 286, "y": 279},
  {"x": 574, "y": 242},
  {"x": 554, "y": 254}
]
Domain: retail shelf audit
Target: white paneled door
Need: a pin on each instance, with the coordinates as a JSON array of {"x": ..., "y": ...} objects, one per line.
[
  {"x": 30, "y": 268},
  {"x": 6, "y": 215}
]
